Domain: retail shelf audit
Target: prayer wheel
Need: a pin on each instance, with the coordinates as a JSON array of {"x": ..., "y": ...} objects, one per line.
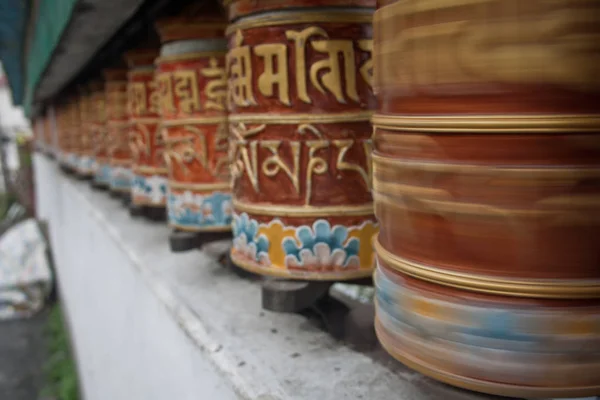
[
  {"x": 190, "y": 75},
  {"x": 84, "y": 167},
  {"x": 49, "y": 128},
  {"x": 486, "y": 183},
  {"x": 300, "y": 100},
  {"x": 99, "y": 135},
  {"x": 149, "y": 186},
  {"x": 70, "y": 134},
  {"x": 117, "y": 130},
  {"x": 38, "y": 133}
]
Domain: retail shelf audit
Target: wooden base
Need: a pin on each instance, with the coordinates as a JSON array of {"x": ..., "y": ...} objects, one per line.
[
  {"x": 181, "y": 241},
  {"x": 157, "y": 214},
  {"x": 98, "y": 186}
]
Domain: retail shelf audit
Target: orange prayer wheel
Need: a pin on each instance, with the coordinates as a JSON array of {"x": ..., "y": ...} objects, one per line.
[
  {"x": 300, "y": 101},
  {"x": 70, "y": 133},
  {"x": 190, "y": 74},
  {"x": 99, "y": 135},
  {"x": 38, "y": 132},
  {"x": 117, "y": 129},
  {"x": 487, "y": 186},
  {"x": 84, "y": 153},
  {"x": 50, "y": 130},
  {"x": 149, "y": 185}
]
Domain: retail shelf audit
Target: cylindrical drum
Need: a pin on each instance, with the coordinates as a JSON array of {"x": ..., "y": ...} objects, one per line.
[
  {"x": 300, "y": 101},
  {"x": 149, "y": 186},
  {"x": 99, "y": 135},
  {"x": 49, "y": 138},
  {"x": 117, "y": 128},
  {"x": 85, "y": 162},
  {"x": 72, "y": 133},
  {"x": 39, "y": 125},
  {"x": 486, "y": 180},
  {"x": 191, "y": 79}
]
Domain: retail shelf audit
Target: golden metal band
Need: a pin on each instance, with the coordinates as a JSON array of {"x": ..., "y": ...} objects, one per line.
[
  {"x": 293, "y": 118},
  {"x": 185, "y": 228},
  {"x": 145, "y": 170},
  {"x": 291, "y": 274},
  {"x": 302, "y": 17},
  {"x": 489, "y": 123},
  {"x": 189, "y": 56},
  {"x": 144, "y": 120},
  {"x": 120, "y": 163},
  {"x": 147, "y": 203},
  {"x": 200, "y": 187},
  {"x": 571, "y": 210},
  {"x": 117, "y": 123},
  {"x": 527, "y": 173},
  {"x": 277, "y": 210},
  {"x": 548, "y": 289},
  {"x": 199, "y": 121}
]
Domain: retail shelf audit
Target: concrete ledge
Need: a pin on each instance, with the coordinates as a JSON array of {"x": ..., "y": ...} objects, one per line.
[{"x": 149, "y": 324}]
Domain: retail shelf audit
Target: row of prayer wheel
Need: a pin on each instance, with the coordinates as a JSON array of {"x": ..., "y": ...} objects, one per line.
[{"x": 450, "y": 148}]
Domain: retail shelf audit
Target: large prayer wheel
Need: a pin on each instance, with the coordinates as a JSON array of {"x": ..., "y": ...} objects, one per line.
[
  {"x": 85, "y": 165},
  {"x": 300, "y": 102},
  {"x": 191, "y": 78},
  {"x": 117, "y": 130},
  {"x": 149, "y": 186},
  {"x": 70, "y": 133},
  {"x": 99, "y": 136},
  {"x": 487, "y": 186}
]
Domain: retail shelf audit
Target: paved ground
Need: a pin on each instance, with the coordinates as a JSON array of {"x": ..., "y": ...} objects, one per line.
[{"x": 22, "y": 357}]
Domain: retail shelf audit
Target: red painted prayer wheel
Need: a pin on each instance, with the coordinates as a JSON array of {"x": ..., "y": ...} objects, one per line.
[
  {"x": 38, "y": 132},
  {"x": 50, "y": 130},
  {"x": 149, "y": 185},
  {"x": 117, "y": 130},
  {"x": 71, "y": 139},
  {"x": 486, "y": 183},
  {"x": 98, "y": 131},
  {"x": 190, "y": 74},
  {"x": 300, "y": 102},
  {"x": 84, "y": 154}
]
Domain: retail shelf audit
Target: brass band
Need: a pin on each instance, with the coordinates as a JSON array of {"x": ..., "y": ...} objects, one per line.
[
  {"x": 548, "y": 289},
  {"x": 278, "y": 210},
  {"x": 286, "y": 273},
  {"x": 364, "y": 16},
  {"x": 185, "y": 228},
  {"x": 144, "y": 169},
  {"x": 297, "y": 118},
  {"x": 187, "y": 121},
  {"x": 199, "y": 187},
  {"x": 489, "y": 123}
]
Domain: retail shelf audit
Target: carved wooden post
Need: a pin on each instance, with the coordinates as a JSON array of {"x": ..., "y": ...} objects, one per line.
[
  {"x": 300, "y": 101},
  {"x": 149, "y": 186},
  {"x": 191, "y": 79},
  {"x": 117, "y": 130},
  {"x": 99, "y": 136},
  {"x": 487, "y": 185}
]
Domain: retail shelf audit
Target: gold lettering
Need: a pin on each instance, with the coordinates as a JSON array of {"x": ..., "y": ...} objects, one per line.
[
  {"x": 366, "y": 70},
  {"x": 300, "y": 39},
  {"x": 165, "y": 90},
  {"x": 239, "y": 68},
  {"x": 316, "y": 165},
  {"x": 332, "y": 79},
  {"x": 186, "y": 91},
  {"x": 216, "y": 88},
  {"x": 273, "y": 164},
  {"x": 250, "y": 162},
  {"x": 154, "y": 98},
  {"x": 343, "y": 165},
  {"x": 221, "y": 145},
  {"x": 138, "y": 98},
  {"x": 274, "y": 54}
]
